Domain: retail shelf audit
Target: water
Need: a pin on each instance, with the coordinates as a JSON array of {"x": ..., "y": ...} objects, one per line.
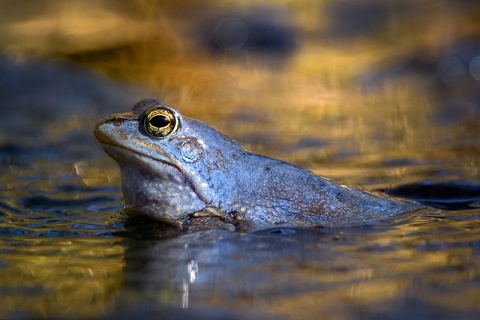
[{"x": 378, "y": 102}]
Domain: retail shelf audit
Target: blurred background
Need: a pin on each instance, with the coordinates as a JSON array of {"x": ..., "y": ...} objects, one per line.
[
  {"x": 374, "y": 93},
  {"x": 309, "y": 82}
]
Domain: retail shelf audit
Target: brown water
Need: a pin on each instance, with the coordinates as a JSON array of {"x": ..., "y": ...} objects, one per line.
[{"x": 379, "y": 95}]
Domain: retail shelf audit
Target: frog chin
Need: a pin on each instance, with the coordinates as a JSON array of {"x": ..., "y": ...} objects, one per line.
[
  {"x": 162, "y": 199},
  {"x": 159, "y": 189},
  {"x": 155, "y": 188}
]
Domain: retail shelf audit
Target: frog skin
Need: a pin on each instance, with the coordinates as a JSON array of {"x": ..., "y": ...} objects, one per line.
[{"x": 176, "y": 170}]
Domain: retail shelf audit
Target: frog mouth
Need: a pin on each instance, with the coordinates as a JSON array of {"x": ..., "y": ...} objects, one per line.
[
  {"x": 109, "y": 145},
  {"x": 129, "y": 152}
]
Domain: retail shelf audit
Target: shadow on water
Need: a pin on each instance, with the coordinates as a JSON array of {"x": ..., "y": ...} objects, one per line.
[{"x": 448, "y": 195}]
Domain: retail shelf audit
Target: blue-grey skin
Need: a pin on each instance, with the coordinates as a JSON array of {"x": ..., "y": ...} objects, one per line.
[{"x": 196, "y": 171}]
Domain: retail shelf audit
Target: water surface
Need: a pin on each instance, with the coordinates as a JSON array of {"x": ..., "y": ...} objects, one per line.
[{"x": 378, "y": 99}]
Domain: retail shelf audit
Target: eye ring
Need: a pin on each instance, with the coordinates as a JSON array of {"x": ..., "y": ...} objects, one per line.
[{"x": 160, "y": 122}]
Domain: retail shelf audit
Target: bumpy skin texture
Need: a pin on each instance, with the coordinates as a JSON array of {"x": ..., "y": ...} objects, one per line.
[{"x": 198, "y": 172}]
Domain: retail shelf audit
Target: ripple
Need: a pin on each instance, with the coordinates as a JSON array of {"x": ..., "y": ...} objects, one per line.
[
  {"x": 8, "y": 207},
  {"x": 11, "y": 231},
  {"x": 88, "y": 226},
  {"x": 47, "y": 203}
]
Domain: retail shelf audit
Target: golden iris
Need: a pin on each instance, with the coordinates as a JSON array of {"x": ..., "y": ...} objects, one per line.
[{"x": 160, "y": 122}]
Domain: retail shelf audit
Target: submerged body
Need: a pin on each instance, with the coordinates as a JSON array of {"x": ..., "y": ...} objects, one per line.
[{"x": 176, "y": 169}]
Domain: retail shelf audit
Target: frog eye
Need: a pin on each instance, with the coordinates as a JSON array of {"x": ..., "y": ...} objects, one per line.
[{"x": 160, "y": 121}]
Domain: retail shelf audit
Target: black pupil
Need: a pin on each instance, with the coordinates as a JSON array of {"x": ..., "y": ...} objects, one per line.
[{"x": 160, "y": 121}]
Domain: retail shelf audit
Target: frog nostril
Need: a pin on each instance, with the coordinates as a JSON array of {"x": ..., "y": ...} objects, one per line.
[{"x": 117, "y": 121}]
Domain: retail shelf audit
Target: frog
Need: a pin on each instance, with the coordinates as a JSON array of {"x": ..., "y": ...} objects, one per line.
[{"x": 182, "y": 171}]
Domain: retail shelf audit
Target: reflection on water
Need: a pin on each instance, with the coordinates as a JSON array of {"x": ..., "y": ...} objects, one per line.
[
  {"x": 300, "y": 273},
  {"x": 376, "y": 94},
  {"x": 45, "y": 277}
]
